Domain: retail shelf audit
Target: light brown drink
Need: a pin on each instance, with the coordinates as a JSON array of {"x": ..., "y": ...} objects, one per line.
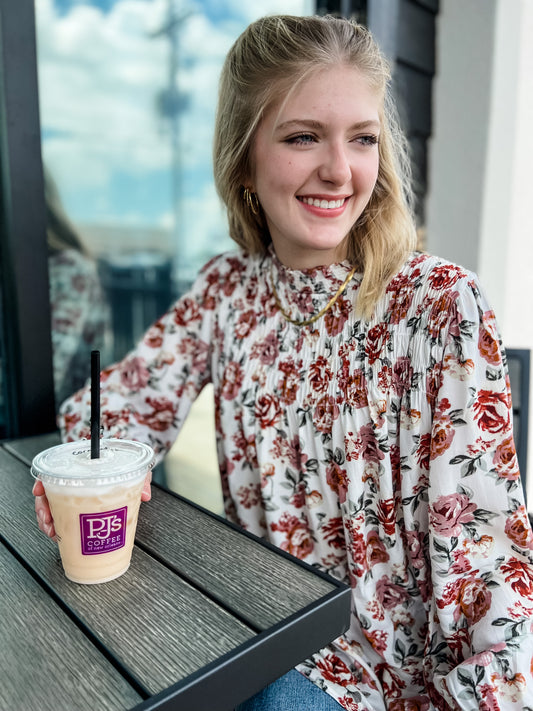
[
  {"x": 94, "y": 504},
  {"x": 95, "y": 566}
]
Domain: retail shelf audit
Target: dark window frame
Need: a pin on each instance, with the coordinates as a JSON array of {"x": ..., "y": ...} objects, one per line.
[{"x": 26, "y": 340}]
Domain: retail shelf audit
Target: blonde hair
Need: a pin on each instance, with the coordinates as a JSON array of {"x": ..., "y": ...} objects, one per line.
[
  {"x": 60, "y": 232},
  {"x": 266, "y": 62}
]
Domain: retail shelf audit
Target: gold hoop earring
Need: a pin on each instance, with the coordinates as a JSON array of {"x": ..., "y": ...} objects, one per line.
[{"x": 251, "y": 200}]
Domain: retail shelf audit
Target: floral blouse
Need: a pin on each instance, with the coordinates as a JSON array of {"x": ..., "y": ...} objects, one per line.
[{"x": 379, "y": 450}]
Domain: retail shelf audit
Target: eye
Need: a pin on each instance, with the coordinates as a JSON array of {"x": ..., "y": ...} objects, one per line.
[
  {"x": 301, "y": 139},
  {"x": 369, "y": 140}
]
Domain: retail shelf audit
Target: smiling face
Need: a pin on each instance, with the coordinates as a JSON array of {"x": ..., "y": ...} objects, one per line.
[{"x": 315, "y": 163}]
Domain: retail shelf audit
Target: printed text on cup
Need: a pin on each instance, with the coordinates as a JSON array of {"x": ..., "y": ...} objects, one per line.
[{"x": 103, "y": 532}]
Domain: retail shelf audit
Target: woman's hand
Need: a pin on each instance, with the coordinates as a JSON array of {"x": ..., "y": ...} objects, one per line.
[
  {"x": 147, "y": 491},
  {"x": 42, "y": 507},
  {"x": 42, "y": 510}
]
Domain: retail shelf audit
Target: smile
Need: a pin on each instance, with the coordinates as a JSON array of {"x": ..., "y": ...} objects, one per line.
[{"x": 324, "y": 204}]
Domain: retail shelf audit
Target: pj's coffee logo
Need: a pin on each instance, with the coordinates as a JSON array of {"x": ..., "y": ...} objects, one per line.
[{"x": 104, "y": 531}]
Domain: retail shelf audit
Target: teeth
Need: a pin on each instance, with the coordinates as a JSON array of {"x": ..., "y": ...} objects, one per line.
[{"x": 325, "y": 204}]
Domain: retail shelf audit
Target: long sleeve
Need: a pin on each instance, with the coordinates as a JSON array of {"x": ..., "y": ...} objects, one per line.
[
  {"x": 480, "y": 544},
  {"x": 148, "y": 394}
]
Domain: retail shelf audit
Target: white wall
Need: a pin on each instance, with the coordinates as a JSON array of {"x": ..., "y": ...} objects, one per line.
[
  {"x": 480, "y": 200},
  {"x": 458, "y": 150},
  {"x": 518, "y": 314}
]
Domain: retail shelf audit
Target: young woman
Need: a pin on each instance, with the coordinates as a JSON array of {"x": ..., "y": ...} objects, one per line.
[{"x": 362, "y": 400}]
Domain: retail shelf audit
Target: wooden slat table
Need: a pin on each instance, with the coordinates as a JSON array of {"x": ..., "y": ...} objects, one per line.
[{"x": 205, "y": 617}]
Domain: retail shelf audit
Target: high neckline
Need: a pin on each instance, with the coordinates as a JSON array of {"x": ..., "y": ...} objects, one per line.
[{"x": 304, "y": 292}]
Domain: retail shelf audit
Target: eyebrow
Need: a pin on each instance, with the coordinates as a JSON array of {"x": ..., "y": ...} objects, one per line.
[{"x": 310, "y": 123}]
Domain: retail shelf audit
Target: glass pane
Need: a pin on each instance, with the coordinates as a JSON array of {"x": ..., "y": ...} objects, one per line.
[{"x": 127, "y": 100}]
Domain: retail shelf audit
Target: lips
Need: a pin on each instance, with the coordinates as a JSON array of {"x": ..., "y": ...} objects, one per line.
[{"x": 325, "y": 206}]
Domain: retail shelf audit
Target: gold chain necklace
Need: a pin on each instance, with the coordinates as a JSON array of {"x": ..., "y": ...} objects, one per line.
[{"x": 309, "y": 321}]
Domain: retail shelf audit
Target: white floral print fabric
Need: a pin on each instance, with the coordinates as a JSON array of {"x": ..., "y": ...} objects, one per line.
[{"x": 379, "y": 450}]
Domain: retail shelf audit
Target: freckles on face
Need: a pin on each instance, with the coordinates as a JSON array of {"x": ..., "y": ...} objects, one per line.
[{"x": 315, "y": 164}]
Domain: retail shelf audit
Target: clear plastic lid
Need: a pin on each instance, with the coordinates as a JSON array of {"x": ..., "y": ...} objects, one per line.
[{"x": 70, "y": 464}]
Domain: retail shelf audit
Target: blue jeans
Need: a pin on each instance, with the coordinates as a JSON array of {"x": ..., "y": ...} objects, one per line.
[{"x": 291, "y": 692}]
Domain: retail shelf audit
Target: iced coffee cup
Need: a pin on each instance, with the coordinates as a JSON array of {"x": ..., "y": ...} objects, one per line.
[{"x": 94, "y": 504}]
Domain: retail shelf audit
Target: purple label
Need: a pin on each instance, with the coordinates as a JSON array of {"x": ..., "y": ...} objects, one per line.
[{"x": 103, "y": 532}]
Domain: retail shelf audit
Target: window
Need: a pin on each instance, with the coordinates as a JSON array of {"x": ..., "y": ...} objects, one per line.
[
  {"x": 127, "y": 100},
  {"x": 118, "y": 139},
  {"x": 27, "y": 392},
  {"x": 124, "y": 117}
]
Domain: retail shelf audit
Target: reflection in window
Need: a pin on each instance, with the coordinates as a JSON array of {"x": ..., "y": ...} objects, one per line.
[
  {"x": 128, "y": 94},
  {"x": 78, "y": 307},
  {"x": 127, "y": 101}
]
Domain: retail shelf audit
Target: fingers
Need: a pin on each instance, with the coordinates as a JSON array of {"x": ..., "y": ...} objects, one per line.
[
  {"x": 146, "y": 494},
  {"x": 38, "y": 488},
  {"x": 42, "y": 511},
  {"x": 44, "y": 518}
]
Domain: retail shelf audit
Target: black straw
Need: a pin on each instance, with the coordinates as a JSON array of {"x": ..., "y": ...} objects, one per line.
[{"x": 95, "y": 404}]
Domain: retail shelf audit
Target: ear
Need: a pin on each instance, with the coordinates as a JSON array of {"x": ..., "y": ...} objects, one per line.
[{"x": 248, "y": 178}]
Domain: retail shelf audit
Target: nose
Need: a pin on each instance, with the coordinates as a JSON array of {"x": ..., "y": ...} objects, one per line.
[{"x": 335, "y": 166}]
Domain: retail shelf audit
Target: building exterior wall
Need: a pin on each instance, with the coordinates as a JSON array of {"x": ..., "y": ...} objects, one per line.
[
  {"x": 518, "y": 309},
  {"x": 461, "y": 102}
]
